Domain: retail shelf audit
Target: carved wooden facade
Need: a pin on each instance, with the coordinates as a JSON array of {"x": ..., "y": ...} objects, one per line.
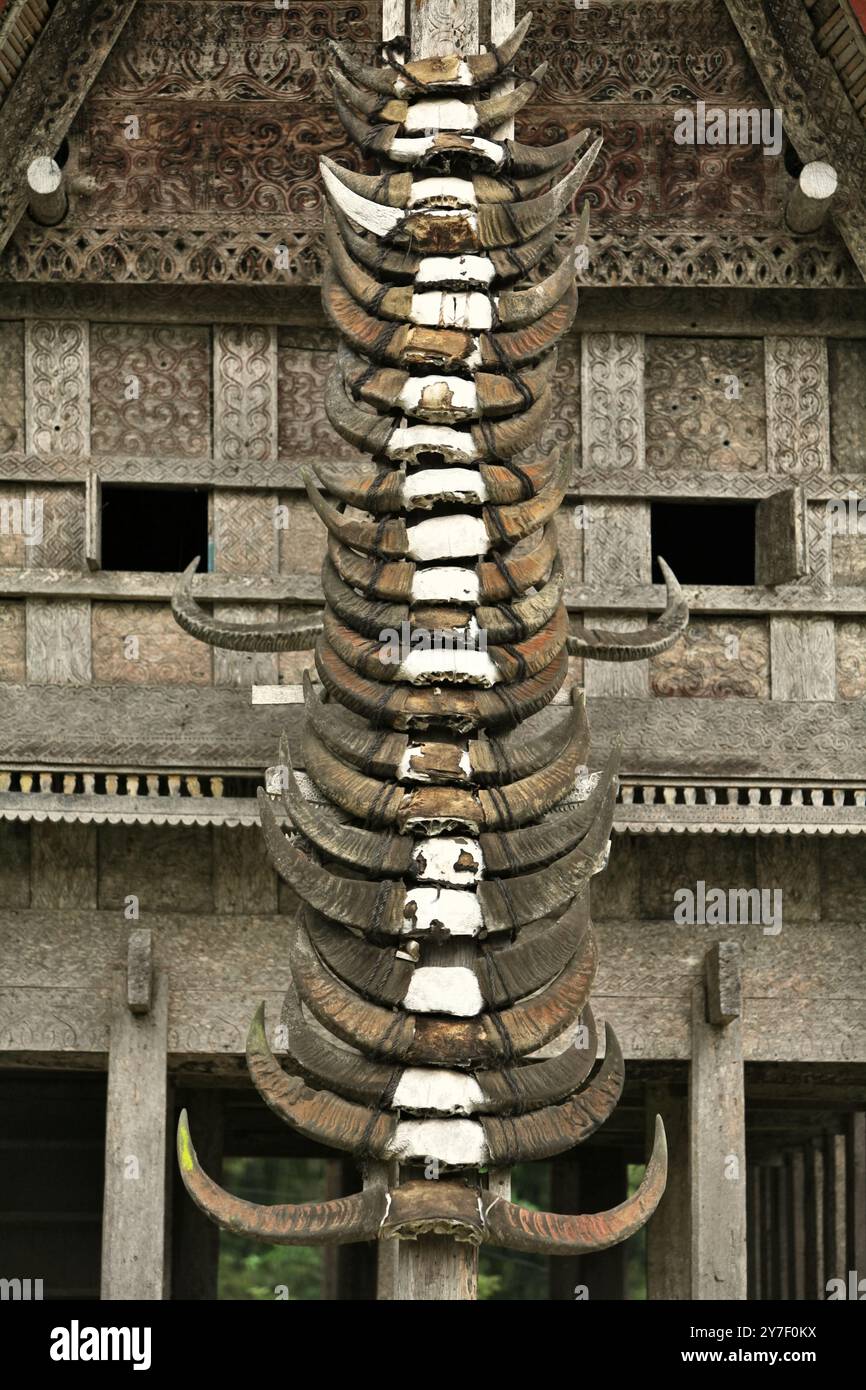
[{"x": 194, "y": 267}]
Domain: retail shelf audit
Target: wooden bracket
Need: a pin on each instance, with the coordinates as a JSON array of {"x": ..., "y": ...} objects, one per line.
[
  {"x": 139, "y": 970},
  {"x": 724, "y": 983}
]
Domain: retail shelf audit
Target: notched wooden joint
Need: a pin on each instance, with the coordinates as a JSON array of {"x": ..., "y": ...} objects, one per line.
[
  {"x": 139, "y": 970},
  {"x": 724, "y": 982}
]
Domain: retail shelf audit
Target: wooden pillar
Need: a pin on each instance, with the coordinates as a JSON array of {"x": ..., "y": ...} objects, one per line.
[
  {"x": 603, "y": 1183},
  {"x": 195, "y": 1240},
  {"x": 766, "y": 1202},
  {"x": 754, "y": 1233},
  {"x": 811, "y": 197},
  {"x": 668, "y": 1234},
  {"x": 814, "y": 1193},
  {"x": 796, "y": 1215},
  {"x": 855, "y": 1192},
  {"x": 718, "y": 1133},
  {"x": 779, "y": 1231},
  {"x": 133, "y": 1223},
  {"x": 835, "y": 1253}
]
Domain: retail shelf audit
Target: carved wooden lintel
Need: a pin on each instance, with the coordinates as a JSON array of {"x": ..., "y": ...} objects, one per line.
[{"x": 139, "y": 970}]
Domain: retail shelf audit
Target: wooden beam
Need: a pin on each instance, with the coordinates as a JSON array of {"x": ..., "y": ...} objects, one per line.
[
  {"x": 133, "y": 1222},
  {"x": 855, "y": 1192},
  {"x": 40, "y": 108},
  {"x": 811, "y": 196},
  {"x": 718, "y": 1156}
]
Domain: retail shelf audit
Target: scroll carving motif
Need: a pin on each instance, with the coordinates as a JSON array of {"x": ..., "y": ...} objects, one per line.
[
  {"x": 245, "y": 392},
  {"x": 798, "y": 405},
  {"x": 705, "y": 403},
  {"x": 57, "y": 372},
  {"x": 612, "y": 417},
  {"x": 151, "y": 389},
  {"x": 716, "y": 660}
]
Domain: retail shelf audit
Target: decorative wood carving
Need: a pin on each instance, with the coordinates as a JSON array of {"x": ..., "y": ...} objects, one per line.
[
  {"x": 57, "y": 374},
  {"x": 167, "y": 868},
  {"x": 151, "y": 390},
  {"x": 617, "y": 548},
  {"x": 244, "y": 669},
  {"x": 847, "y": 362},
  {"x": 58, "y": 642},
  {"x": 140, "y": 644},
  {"x": 612, "y": 415},
  {"x": 245, "y": 532},
  {"x": 798, "y": 405},
  {"x": 12, "y": 650},
  {"x": 802, "y": 659},
  {"x": 716, "y": 660},
  {"x": 851, "y": 660},
  {"x": 705, "y": 404},
  {"x": 245, "y": 392},
  {"x": 11, "y": 386}
]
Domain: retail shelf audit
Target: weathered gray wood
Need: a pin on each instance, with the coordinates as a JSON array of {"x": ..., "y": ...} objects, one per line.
[
  {"x": 780, "y": 1232},
  {"x": 668, "y": 1235},
  {"x": 766, "y": 1243},
  {"x": 47, "y": 199},
  {"x": 796, "y": 1218},
  {"x": 57, "y": 377},
  {"x": 718, "y": 1156},
  {"x": 393, "y": 18},
  {"x": 443, "y": 26},
  {"x": 615, "y": 679},
  {"x": 814, "y": 1203},
  {"x": 93, "y": 522},
  {"x": 133, "y": 1229},
  {"x": 835, "y": 1252},
  {"x": 798, "y": 405},
  {"x": 781, "y": 540},
  {"x": 802, "y": 659},
  {"x": 139, "y": 970},
  {"x": 58, "y": 642},
  {"x": 724, "y": 982},
  {"x": 754, "y": 1233},
  {"x": 67, "y": 55},
  {"x": 612, "y": 401},
  {"x": 855, "y": 1191}
]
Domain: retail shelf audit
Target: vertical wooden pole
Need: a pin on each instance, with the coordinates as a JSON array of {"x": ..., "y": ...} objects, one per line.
[
  {"x": 766, "y": 1198},
  {"x": 814, "y": 1159},
  {"x": 603, "y": 1183},
  {"x": 754, "y": 1233},
  {"x": 796, "y": 1195},
  {"x": 133, "y": 1223},
  {"x": 835, "y": 1254},
  {"x": 780, "y": 1233},
  {"x": 855, "y": 1192},
  {"x": 668, "y": 1235},
  {"x": 718, "y": 1155}
]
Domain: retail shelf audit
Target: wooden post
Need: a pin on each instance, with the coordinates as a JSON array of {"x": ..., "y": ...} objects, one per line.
[
  {"x": 767, "y": 1248},
  {"x": 754, "y": 1233},
  {"x": 796, "y": 1195},
  {"x": 668, "y": 1235},
  {"x": 855, "y": 1192},
  {"x": 718, "y": 1139},
  {"x": 565, "y": 1197},
  {"x": 811, "y": 197},
  {"x": 814, "y": 1160},
  {"x": 835, "y": 1254},
  {"x": 779, "y": 1232},
  {"x": 133, "y": 1222}
]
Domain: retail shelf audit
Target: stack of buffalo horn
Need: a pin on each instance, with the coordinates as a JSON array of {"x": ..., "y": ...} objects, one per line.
[{"x": 437, "y": 1017}]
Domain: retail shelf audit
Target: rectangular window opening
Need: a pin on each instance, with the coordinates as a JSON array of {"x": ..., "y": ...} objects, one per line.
[
  {"x": 704, "y": 542},
  {"x": 155, "y": 530}
]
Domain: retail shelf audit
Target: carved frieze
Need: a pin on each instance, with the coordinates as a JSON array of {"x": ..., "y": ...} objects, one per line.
[
  {"x": 612, "y": 396},
  {"x": 715, "y": 660},
  {"x": 304, "y": 431},
  {"x": 851, "y": 660},
  {"x": 245, "y": 392},
  {"x": 847, "y": 364},
  {"x": 798, "y": 405},
  {"x": 705, "y": 404},
  {"x": 11, "y": 385},
  {"x": 12, "y": 663},
  {"x": 151, "y": 389},
  {"x": 141, "y": 644},
  {"x": 57, "y": 375}
]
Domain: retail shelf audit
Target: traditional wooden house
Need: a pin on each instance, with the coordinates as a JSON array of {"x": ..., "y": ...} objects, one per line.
[{"x": 162, "y": 380}]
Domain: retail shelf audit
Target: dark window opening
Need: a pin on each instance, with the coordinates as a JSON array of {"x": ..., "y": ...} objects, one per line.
[
  {"x": 153, "y": 529},
  {"x": 704, "y": 543}
]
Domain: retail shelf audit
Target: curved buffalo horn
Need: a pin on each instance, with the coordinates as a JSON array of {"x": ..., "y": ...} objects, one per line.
[
  {"x": 297, "y": 635},
  {"x": 516, "y": 850},
  {"x": 363, "y": 614},
  {"x": 350, "y": 845},
  {"x": 537, "y": 159},
  {"x": 543, "y": 1232},
  {"x": 381, "y": 973},
  {"x": 365, "y": 428},
  {"x": 511, "y": 1090},
  {"x": 402, "y": 343},
  {"x": 372, "y": 217},
  {"x": 377, "y": 804},
  {"x": 458, "y": 708},
  {"x": 518, "y": 346},
  {"x": 339, "y": 1222},
  {"x": 516, "y": 803},
  {"x": 600, "y": 645},
  {"x": 495, "y": 760},
  {"x": 443, "y": 399},
  {"x": 376, "y": 905},
  {"x": 503, "y": 224},
  {"x": 455, "y": 115},
  {"x": 497, "y": 582},
  {"x": 512, "y": 522},
  {"x": 378, "y": 753},
  {"x": 509, "y": 622},
  {"x": 434, "y": 74},
  {"x": 431, "y": 1040},
  {"x": 510, "y": 972},
  {"x": 374, "y": 139},
  {"x": 393, "y": 303},
  {"x": 525, "y": 897},
  {"x": 376, "y": 491},
  {"x": 543, "y": 1133},
  {"x": 385, "y": 259},
  {"x": 320, "y": 1115},
  {"x": 385, "y": 538},
  {"x": 516, "y": 308},
  {"x": 498, "y": 109}
]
